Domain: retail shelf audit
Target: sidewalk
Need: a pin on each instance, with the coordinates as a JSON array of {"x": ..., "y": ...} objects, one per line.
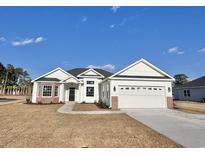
[{"x": 67, "y": 109}]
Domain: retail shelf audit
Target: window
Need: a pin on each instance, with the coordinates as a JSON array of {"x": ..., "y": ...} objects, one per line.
[
  {"x": 90, "y": 82},
  {"x": 155, "y": 88},
  {"x": 47, "y": 90},
  {"x": 169, "y": 89},
  {"x": 133, "y": 88},
  {"x": 127, "y": 88},
  {"x": 149, "y": 88},
  {"x": 121, "y": 88},
  {"x": 90, "y": 91},
  {"x": 188, "y": 93},
  {"x": 56, "y": 90},
  {"x": 185, "y": 93},
  {"x": 144, "y": 88}
]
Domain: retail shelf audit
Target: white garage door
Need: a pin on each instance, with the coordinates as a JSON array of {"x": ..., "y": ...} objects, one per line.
[{"x": 141, "y": 97}]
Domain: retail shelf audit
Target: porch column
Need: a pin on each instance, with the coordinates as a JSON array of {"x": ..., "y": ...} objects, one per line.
[{"x": 62, "y": 93}]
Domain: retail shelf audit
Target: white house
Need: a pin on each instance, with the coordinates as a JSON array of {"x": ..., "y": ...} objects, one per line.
[
  {"x": 191, "y": 91},
  {"x": 139, "y": 85}
]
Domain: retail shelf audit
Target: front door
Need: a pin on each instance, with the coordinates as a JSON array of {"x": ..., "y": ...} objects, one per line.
[{"x": 71, "y": 94}]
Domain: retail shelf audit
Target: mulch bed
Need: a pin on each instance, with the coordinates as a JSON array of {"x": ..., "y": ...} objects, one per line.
[{"x": 88, "y": 107}]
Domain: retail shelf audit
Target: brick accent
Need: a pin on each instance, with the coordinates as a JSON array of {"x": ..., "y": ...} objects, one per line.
[
  {"x": 114, "y": 102},
  {"x": 170, "y": 103},
  {"x": 47, "y": 99}
]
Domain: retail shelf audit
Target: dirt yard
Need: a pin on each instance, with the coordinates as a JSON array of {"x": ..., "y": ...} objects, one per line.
[
  {"x": 24, "y": 125},
  {"x": 88, "y": 107}
]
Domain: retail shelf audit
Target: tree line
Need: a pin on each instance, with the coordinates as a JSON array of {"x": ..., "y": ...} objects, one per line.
[{"x": 14, "y": 80}]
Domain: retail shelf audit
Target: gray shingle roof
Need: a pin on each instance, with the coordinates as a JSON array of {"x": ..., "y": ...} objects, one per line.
[
  {"x": 195, "y": 83},
  {"x": 76, "y": 71}
]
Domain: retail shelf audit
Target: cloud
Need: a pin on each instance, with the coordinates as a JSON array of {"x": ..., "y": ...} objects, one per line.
[
  {"x": 112, "y": 26},
  {"x": 2, "y": 39},
  {"x": 202, "y": 50},
  {"x": 115, "y": 8},
  {"x": 108, "y": 67},
  {"x": 84, "y": 19},
  {"x": 175, "y": 50},
  {"x": 39, "y": 39},
  {"x": 27, "y": 41}
]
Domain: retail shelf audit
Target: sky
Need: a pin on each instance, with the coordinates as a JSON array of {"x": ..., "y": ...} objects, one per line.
[{"x": 40, "y": 39}]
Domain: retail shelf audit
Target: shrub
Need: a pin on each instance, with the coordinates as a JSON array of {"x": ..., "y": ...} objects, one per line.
[
  {"x": 39, "y": 102},
  {"x": 102, "y": 104},
  {"x": 28, "y": 101}
]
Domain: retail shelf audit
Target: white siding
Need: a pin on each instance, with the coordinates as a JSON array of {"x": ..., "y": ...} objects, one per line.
[
  {"x": 141, "y": 69},
  {"x": 57, "y": 74},
  {"x": 105, "y": 92},
  {"x": 90, "y": 73},
  {"x": 96, "y": 90}
]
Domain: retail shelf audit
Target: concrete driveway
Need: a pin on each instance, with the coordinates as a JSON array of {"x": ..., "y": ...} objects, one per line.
[{"x": 185, "y": 128}]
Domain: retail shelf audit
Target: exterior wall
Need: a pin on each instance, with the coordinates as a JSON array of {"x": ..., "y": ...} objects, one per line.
[
  {"x": 170, "y": 103},
  {"x": 46, "y": 99},
  {"x": 105, "y": 92},
  {"x": 196, "y": 94},
  {"x": 96, "y": 90},
  {"x": 114, "y": 100}
]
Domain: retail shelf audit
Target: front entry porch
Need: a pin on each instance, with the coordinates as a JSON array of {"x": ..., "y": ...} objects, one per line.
[{"x": 70, "y": 92}]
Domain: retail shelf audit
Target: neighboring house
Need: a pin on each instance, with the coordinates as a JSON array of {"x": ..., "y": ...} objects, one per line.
[
  {"x": 139, "y": 85},
  {"x": 191, "y": 91}
]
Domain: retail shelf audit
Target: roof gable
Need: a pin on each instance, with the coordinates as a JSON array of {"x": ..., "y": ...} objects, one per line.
[
  {"x": 70, "y": 79},
  {"x": 77, "y": 71},
  {"x": 142, "y": 69},
  {"x": 57, "y": 74},
  {"x": 90, "y": 72}
]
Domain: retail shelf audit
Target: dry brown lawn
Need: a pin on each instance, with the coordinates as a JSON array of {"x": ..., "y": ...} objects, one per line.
[
  {"x": 24, "y": 125},
  {"x": 87, "y": 107},
  {"x": 190, "y": 107}
]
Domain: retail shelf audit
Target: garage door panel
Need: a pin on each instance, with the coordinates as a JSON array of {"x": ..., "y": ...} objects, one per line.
[{"x": 141, "y": 97}]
